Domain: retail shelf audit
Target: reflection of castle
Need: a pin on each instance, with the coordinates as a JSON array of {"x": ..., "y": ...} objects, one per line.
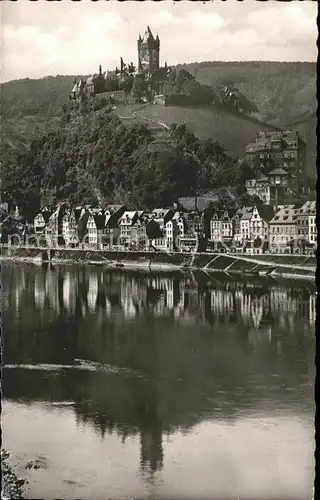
[{"x": 168, "y": 394}]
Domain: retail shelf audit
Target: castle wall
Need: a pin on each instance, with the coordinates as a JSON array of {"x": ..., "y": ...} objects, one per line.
[{"x": 116, "y": 95}]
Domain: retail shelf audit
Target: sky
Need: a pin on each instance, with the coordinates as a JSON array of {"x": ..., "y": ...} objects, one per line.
[{"x": 40, "y": 38}]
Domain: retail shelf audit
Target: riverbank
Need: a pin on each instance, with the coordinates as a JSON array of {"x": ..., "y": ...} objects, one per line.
[
  {"x": 12, "y": 487},
  {"x": 286, "y": 266}
]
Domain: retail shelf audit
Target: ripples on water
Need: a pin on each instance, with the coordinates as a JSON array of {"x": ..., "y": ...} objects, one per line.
[{"x": 158, "y": 386}]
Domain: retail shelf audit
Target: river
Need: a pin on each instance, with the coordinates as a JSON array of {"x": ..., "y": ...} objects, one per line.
[{"x": 157, "y": 386}]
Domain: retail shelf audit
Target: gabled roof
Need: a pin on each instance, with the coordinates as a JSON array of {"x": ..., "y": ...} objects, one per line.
[
  {"x": 223, "y": 215},
  {"x": 278, "y": 171},
  {"x": 80, "y": 212},
  {"x": 83, "y": 218},
  {"x": 261, "y": 177},
  {"x": 114, "y": 208},
  {"x": 90, "y": 80},
  {"x": 100, "y": 220},
  {"x": 59, "y": 211},
  {"x": 309, "y": 207},
  {"x": 128, "y": 215},
  {"x": 161, "y": 212},
  {"x": 231, "y": 212},
  {"x": 177, "y": 215},
  {"x": 241, "y": 211},
  {"x": 45, "y": 214},
  {"x": 246, "y": 216},
  {"x": 266, "y": 212},
  {"x": 286, "y": 215}
]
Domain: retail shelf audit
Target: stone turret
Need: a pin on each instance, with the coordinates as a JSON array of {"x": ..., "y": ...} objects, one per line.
[{"x": 148, "y": 52}]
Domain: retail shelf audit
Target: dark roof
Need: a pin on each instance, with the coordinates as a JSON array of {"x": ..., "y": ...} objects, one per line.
[
  {"x": 278, "y": 171},
  {"x": 78, "y": 212},
  {"x": 82, "y": 221},
  {"x": 153, "y": 229},
  {"x": 261, "y": 177},
  {"x": 114, "y": 208},
  {"x": 46, "y": 215},
  {"x": 100, "y": 220},
  {"x": 266, "y": 212}
]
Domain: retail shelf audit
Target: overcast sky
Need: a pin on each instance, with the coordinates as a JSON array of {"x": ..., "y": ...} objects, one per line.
[{"x": 49, "y": 38}]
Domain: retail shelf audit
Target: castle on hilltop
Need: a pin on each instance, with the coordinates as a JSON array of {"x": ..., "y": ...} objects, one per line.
[{"x": 148, "y": 68}]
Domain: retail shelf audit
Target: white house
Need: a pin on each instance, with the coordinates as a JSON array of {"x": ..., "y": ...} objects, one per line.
[
  {"x": 53, "y": 229},
  {"x": 306, "y": 222},
  {"x": 283, "y": 230},
  {"x": 126, "y": 222},
  {"x": 92, "y": 230},
  {"x": 245, "y": 226},
  {"x": 221, "y": 226},
  {"x": 171, "y": 232},
  {"x": 238, "y": 228},
  {"x": 312, "y": 236},
  {"x": 180, "y": 222},
  {"x": 254, "y": 225},
  {"x": 70, "y": 228},
  {"x": 41, "y": 220}
]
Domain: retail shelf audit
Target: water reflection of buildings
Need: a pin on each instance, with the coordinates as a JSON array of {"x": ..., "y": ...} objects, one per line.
[
  {"x": 40, "y": 290},
  {"x": 52, "y": 289},
  {"x": 185, "y": 299},
  {"x": 92, "y": 294},
  {"x": 17, "y": 286},
  {"x": 69, "y": 292}
]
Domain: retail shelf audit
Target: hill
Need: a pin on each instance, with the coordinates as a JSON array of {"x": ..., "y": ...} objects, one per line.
[
  {"x": 283, "y": 92},
  {"x": 232, "y": 131},
  {"x": 95, "y": 158}
]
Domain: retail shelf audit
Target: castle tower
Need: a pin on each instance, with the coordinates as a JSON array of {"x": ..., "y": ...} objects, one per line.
[{"x": 148, "y": 52}]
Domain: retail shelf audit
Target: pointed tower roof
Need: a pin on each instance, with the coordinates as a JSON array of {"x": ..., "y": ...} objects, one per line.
[{"x": 147, "y": 34}]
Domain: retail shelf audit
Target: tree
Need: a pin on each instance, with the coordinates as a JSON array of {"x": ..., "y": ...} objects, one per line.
[{"x": 139, "y": 88}]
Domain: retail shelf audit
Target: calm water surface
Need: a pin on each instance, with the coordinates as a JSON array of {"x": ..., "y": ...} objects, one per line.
[{"x": 158, "y": 386}]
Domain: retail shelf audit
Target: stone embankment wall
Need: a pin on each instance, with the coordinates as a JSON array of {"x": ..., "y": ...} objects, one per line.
[{"x": 287, "y": 265}]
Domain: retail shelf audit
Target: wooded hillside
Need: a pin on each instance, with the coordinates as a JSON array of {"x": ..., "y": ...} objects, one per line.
[{"x": 284, "y": 94}]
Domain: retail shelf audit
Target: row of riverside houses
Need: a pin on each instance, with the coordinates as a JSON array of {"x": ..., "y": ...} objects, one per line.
[{"x": 255, "y": 229}]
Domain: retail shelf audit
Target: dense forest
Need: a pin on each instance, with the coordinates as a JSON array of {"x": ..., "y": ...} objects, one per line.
[{"x": 94, "y": 158}]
